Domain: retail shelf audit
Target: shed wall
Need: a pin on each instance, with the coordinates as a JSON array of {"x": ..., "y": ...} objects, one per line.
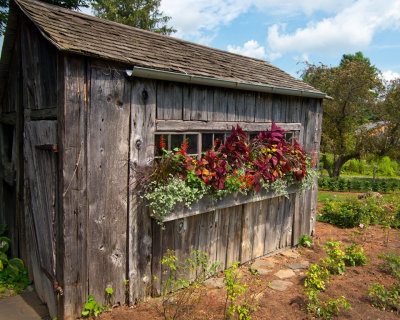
[{"x": 105, "y": 127}]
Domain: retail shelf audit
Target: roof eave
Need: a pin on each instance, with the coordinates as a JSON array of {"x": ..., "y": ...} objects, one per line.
[{"x": 201, "y": 80}]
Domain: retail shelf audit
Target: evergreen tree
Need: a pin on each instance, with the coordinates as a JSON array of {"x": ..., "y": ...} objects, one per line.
[{"x": 143, "y": 14}]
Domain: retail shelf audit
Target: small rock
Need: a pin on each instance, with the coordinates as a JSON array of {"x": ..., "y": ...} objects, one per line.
[
  {"x": 280, "y": 285},
  {"x": 214, "y": 283},
  {"x": 296, "y": 266},
  {"x": 262, "y": 266},
  {"x": 304, "y": 263},
  {"x": 290, "y": 254},
  {"x": 284, "y": 274}
]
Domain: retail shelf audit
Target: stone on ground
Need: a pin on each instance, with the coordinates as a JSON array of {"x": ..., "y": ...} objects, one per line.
[
  {"x": 296, "y": 266},
  {"x": 290, "y": 254},
  {"x": 262, "y": 266},
  {"x": 214, "y": 283},
  {"x": 280, "y": 285},
  {"x": 284, "y": 274}
]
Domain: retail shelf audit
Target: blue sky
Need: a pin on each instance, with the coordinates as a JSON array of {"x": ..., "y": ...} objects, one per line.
[{"x": 286, "y": 33}]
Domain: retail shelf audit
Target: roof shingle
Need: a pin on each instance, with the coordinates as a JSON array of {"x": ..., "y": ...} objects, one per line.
[{"x": 79, "y": 33}]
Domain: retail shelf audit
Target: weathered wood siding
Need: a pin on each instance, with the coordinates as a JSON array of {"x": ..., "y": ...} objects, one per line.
[{"x": 201, "y": 103}]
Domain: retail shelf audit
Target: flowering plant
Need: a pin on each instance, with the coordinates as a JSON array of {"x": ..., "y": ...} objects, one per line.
[{"x": 240, "y": 164}]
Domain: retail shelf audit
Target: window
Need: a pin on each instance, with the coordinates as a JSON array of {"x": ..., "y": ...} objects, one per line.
[{"x": 200, "y": 142}]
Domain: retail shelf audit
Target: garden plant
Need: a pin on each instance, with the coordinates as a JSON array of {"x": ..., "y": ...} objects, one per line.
[{"x": 240, "y": 164}]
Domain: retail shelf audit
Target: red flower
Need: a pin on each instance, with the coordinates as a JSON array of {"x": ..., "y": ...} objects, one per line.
[{"x": 162, "y": 143}]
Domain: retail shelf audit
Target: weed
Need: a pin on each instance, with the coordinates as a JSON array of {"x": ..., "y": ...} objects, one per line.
[
  {"x": 305, "y": 241},
  {"x": 385, "y": 299},
  {"x": 93, "y": 308},
  {"x": 180, "y": 295},
  {"x": 240, "y": 301},
  {"x": 335, "y": 260},
  {"x": 391, "y": 264},
  {"x": 355, "y": 256}
]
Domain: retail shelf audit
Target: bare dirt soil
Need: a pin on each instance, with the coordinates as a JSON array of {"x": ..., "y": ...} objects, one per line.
[{"x": 290, "y": 303}]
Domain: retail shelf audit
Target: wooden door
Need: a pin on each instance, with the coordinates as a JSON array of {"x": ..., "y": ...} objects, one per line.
[{"x": 40, "y": 205}]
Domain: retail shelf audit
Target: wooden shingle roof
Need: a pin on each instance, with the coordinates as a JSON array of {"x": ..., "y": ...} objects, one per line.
[{"x": 75, "y": 32}]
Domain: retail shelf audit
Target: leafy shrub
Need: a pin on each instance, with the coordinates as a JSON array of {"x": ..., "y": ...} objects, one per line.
[
  {"x": 358, "y": 184},
  {"x": 355, "y": 256},
  {"x": 305, "y": 241},
  {"x": 13, "y": 274},
  {"x": 334, "y": 263},
  {"x": 391, "y": 264},
  {"x": 383, "y": 298},
  {"x": 351, "y": 213}
]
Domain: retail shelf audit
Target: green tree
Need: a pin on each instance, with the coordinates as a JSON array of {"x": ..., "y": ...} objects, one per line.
[
  {"x": 143, "y": 14},
  {"x": 387, "y": 131},
  {"x": 355, "y": 87},
  {"x": 70, "y": 4},
  {"x": 357, "y": 57}
]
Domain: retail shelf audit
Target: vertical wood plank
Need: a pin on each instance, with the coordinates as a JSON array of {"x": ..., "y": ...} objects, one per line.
[
  {"x": 202, "y": 103},
  {"x": 233, "y": 244},
  {"x": 240, "y": 106},
  {"x": 222, "y": 234},
  {"x": 263, "y": 107},
  {"x": 169, "y": 101},
  {"x": 155, "y": 260},
  {"x": 247, "y": 221},
  {"x": 108, "y": 155},
  {"x": 223, "y": 100},
  {"x": 250, "y": 106},
  {"x": 73, "y": 193},
  {"x": 259, "y": 229},
  {"x": 143, "y": 113}
]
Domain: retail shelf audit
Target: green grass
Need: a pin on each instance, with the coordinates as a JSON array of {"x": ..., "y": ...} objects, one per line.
[
  {"x": 326, "y": 196},
  {"x": 330, "y": 196}
]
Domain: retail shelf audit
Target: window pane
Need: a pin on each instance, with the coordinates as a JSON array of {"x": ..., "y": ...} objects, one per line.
[
  {"x": 206, "y": 141},
  {"x": 288, "y": 136},
  {"x": 192, "y": 140},
  {"x": 176, "y": 140},
  {"x": 221, "y": 139},
  {"x": 253, "y": 135}
]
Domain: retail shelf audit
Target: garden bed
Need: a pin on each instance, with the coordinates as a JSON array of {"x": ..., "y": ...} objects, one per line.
[{"x": 290, "y": 304}]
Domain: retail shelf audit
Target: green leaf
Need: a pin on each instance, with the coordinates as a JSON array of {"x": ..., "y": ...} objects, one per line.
[
  {"x": 4, "y": 244},
  {"x": 90, "y": 305},
  {"x": 85, "y": 313},
  {"x": 110, "y": 291},
  {"x": 17, "y": 263}
]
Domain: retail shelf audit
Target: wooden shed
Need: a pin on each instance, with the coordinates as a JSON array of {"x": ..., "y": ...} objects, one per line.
[{"x": 82, "y": 102}]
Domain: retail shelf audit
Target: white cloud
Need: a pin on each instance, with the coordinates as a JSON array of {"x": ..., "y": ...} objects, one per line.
[
  {"x": 351, "y": 29},
  {"x": 251, "y": 48},
  {"x": 390, "y": 75},
  {"x": 193, "y": 18}
]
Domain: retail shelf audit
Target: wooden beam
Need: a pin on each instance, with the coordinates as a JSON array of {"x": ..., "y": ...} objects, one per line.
[
  {"x": 8, "y": 118},
  {"x": 179, "y": 125},
  {"x": 41, "y": 114}
]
